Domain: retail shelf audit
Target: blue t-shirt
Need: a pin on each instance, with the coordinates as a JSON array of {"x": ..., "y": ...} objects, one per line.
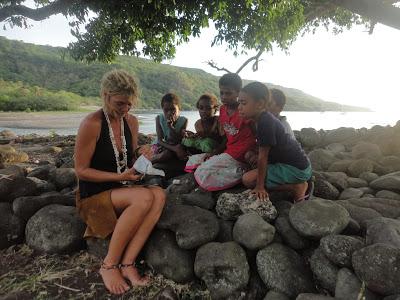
[{"x": 284, "y": 149}]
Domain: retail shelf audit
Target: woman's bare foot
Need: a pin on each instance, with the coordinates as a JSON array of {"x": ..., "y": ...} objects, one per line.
[
  {"x": 130, "y": 272},
  {"x": 113, "y": 279},
  {"x": 299, "y": 191}
]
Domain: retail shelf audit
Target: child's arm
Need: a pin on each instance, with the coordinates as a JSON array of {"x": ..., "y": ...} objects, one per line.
[
  {"x": 160, "y": 136},
  {"x": 199, "y": 128},
  {"x": 176, "y": 136},
  {"x": 262, "y": 167}
]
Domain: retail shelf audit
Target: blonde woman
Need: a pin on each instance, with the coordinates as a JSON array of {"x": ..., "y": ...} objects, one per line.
[{"x": 104, "y": 150}]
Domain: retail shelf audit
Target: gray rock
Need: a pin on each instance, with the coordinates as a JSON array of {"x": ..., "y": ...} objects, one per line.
[
  {"x": 63, "y": 177},
  {"x": 46, "y": 231},
  {"x": 356, "y": 182},
  {"x": 389, "y": 182},
  {"x": 321, "y": 159},
  {"x": 359, "y": 166},
  {"x": 339, "y": 135},
  {"x": 187, "y": 183},
  {"x": 16, "y": 185},
  {"x": 163, "y": 254},
  {"x": 383, "y": 230},
  {"x": 199, "y": 198},
  {"x": 11, "y": 227},
  {"x": 340, "y": 166},
  {"x": 393, "y": 297},
  {"x": 41, "y": 172},
  {"x": 225, "y": 231},
  {"x": 366, "y": 150},
  {"x": 167, "y": 293},
  {"x": 289, "y": 235},
  {"x": 338, "y": 179},
  {"x": 309, "y": 137},
  {"x": 367, "y": 190},
  {"x": 340, "y": 248},
  {"x": 256, "y": 288},
  {"x": 230, "y": 206},
  {"x": 253, "y": 232},
  {"x": 350, "y": 193},
  {"x": 318, "y": 218},
  {"x": 336, "y": 147},
  {"x": 378, "y": 265},
  {"x": 359, "y": 214},
  {"x": 193, "y": 226},
  {"x": 309, "y": 296},
  {"x": 283, "y": 270},
  {"x": 26, "y": 207},
  {"x": 98, "y": 247},
  {"x": 324, "y": 189},
  {"x": 368, "y": 176},
  {"x": 272, "y": 295},
  {"x": 386, "y": 207},
  {"x": 324, "y": 270},
  {"x": 391, "y": 162},
  {"x": 42, "y": 186},
  {"x": 223, "y": 267},
  {"x": 388, "y": 195},
  {"x": 348, "y": 287},
  {"x": 65, "y": 158}
]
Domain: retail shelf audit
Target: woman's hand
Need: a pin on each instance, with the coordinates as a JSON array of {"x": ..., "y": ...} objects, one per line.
[
  {"x": 261, "y": 193},
  {"x": 130, "y": 175}
]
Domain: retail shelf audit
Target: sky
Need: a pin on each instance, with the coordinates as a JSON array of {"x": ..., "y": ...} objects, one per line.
[{"x": 353, "y": 68}]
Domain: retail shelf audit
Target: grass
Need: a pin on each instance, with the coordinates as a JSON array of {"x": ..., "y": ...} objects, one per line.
[{"x": 25, "y": 274}]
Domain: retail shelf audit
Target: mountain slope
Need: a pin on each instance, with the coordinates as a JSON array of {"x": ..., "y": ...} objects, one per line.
[{"x": 52, "y": 68}]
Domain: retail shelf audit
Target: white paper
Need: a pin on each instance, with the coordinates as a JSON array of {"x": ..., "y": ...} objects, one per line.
[{"x": 144, "y": 166}]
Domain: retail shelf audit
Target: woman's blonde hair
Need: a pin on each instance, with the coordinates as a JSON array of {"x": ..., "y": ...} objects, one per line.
[{"x": 119, "y": 82}]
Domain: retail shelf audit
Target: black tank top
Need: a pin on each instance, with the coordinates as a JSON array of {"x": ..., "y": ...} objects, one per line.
[{"x": 104, "y": 159}]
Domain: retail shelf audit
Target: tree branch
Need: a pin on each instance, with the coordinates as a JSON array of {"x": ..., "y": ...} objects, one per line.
[
  {"x": 255, "y": 64},
  {"x": 378, "y": 11},
  {"x": 213, "y": 65},
  {"x": 36, "y": 14}
]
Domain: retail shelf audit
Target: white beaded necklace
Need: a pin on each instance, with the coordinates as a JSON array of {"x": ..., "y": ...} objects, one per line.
[{"x": 121, "y": 164}]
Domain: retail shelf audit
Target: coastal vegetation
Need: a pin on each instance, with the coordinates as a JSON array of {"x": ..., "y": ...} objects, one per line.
[{"x": 46, "y": 78}]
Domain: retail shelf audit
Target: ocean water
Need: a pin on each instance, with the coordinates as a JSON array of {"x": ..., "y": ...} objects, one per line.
[{"x": 68, "y": 123}]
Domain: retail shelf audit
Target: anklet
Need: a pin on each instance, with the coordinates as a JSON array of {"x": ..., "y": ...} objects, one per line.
[
  {"x": 127, "y": 265},
  {"x": 109, "y": 267}
]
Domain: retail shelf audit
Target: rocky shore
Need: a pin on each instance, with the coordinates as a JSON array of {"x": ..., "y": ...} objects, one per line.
[{"x": 342, "y": 244}]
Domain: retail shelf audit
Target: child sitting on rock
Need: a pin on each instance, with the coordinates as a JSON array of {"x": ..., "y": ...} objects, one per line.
[
  {"x": 282, "y": 164},
  {"x": 225, "y": 166},
  {"x": 208, "y": 132},
  {"x": 170, "y": 128},
  {"x": 278, "y": 101}
]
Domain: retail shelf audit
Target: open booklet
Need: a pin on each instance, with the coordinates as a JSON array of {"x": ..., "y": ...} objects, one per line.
[{"x": 144, "y": 166}]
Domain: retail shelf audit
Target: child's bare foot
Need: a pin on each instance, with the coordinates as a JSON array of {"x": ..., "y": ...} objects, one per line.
[
  {"x": 299, "y": 191},
  {"x": 113, "y": 279},
  {"x": 130, "y": 272}
]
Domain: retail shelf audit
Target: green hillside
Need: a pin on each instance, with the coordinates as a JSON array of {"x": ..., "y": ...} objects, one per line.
[{"x": 53, "y": 71}]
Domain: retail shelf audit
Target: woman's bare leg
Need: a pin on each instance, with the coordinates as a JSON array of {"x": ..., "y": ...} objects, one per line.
[
  {"x": 141, "y": 236},
  {"x": 134, "y": 203}
]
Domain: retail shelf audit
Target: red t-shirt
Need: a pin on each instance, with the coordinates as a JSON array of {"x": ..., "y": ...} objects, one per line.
[{"x": 240, "y": 137}]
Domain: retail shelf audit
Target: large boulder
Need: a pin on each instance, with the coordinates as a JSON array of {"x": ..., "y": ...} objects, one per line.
[
  {"x": 378, "y": 266},
  {"x": 350, "y": 193},
  {"x": 359, "y": 166},
  {"x": 65, "y": 158},
  {"x": 340, "y": 248},
  {"x": 309, "y": 137},
  {"x": 383, "y": 230},
  {"x": 11, "y": 227},
  {"x": 366, "y": 150},
  {"x": 283, "y": 270},
  {"x": 357, "y": 182},
  {"x": 9, "y": 155},
  {"x": 26, "y": 207},
  {"x": 42, "y": 186},
  {"x": 289, "y": 235},
  {"x": 368, "y": 176},
  {"x": 63, "y": 177},
  {"x": 46, "y": 231},
  {"x": 193, "y": 226},
  {"x": 253, "y": 232},
  {"x": 340, "y": 134},
  {"x": 199, "y": 198},
  {"x": 321, "y": 159},
  {"x": 14, "y": 184},
  {"x": 338, "y": 179},
  {"x": 388, "y": 195},
  {"x": 359, "y": 214},
  {"x": 163, "y": 254},
  {"x": 318, "y": 218},
  {"x": 389, "y": 182},
  {"x": 324, "y": 270},
  {"x": 348, "y": 287},
  {"x": 231, "y": 205},
  {"x": 340, "y": 166},
  {"x": 184, "y": 184},
  {"x": 324, "y": 189},
  {"x": 41, "y": 172},
  {"x": 223, "y": 267}
]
